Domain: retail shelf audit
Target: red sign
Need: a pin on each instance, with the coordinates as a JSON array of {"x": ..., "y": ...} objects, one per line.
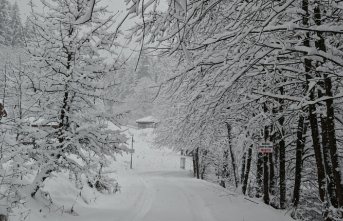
[{"x": 265, "y": 150}]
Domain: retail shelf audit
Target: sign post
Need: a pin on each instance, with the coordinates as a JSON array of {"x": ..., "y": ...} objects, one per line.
[
  {"x": 183, "y": 162},
  {"x": 131, "y": 151},
  {"x": 265, "y": 148}
]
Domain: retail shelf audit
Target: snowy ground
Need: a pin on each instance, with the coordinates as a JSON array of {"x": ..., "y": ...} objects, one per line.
[{"x": 155, "y": 190}]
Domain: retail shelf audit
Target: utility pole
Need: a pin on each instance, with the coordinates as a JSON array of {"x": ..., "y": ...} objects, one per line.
[{"x": 131, "y": 151}]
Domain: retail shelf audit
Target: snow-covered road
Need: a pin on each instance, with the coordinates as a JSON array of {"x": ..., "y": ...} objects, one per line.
[
  {"x": 170, "y": 196},
  {"x": 175, "y": 196},
  {"x": 157, "y": 190}
]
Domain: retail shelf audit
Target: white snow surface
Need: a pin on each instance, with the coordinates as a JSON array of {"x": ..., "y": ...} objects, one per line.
[
  {"x": 147, "y": 120},
  {"x": 154, "y": 190}
]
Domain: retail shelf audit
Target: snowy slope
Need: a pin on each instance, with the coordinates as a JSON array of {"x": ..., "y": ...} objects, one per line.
[{"x": 155, "y": 190}]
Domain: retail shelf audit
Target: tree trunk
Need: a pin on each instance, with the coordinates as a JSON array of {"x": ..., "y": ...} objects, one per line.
[
  {"x": 266, "y": 167},
  {"x": 39, "y": 179},
  {"x": 203, "y": 164},
  {"x": 327, "y": 163},
  {"x": 259, "y": 173},
  {"x": 197, "y": 163},
  {"x": 312, "y": 111},
  {"x": 271, "y": 161},
  {"x": 271, "y": 174},
  {"x": 247, "y": 171},
  {"x": 265, "y": 163},
  {"x": 265, "y": 179},
  {"x": 301, "y": 132},
  {"x": 243, "y": 166},
  {"x": 317, "y": 149},
  {"x": 282, "y": 156},
  {"x": 333, "y": 145},
  {"x": 194, "y": 164},
  {"x": 330, "y": 185},
  {"x": 228, "y": 126},
  {"x": 330, "y": 119},
  {"x": 225, "y": 169}
]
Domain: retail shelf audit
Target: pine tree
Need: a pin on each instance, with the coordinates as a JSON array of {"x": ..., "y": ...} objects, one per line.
[
  {"x": 15, "y": 37},
  {"x": 4, "y": 21}
]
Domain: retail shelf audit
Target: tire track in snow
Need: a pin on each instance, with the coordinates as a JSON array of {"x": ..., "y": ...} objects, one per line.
[
  {"x": 145, "y": 202},
  {"x": 197, "y": 205}
]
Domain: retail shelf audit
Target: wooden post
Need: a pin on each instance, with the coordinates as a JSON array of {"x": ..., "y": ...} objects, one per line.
[{"x": 131, "y": 151}]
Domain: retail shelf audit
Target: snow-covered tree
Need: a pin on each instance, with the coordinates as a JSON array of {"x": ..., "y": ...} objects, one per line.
[
  {"x": 16, "y": 36},
  {"x": 66, "y": 128},
  {"x": 11, "y": 29},
  {"x": 4, "y": 20},
  {"x": 138, "y": 85},
  {"x": 275, "y": 65}
]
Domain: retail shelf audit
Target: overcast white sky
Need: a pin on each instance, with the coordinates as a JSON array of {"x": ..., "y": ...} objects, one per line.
[{"x": 114, "y": 5}]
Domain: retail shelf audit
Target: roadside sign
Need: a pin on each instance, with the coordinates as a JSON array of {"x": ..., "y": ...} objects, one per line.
[
  {"x": 266, "y": 144},
  {"x": 265, "y": 148}
]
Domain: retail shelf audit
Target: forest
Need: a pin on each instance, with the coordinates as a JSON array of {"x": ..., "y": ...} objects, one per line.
[{"x": 226, "y": 78}]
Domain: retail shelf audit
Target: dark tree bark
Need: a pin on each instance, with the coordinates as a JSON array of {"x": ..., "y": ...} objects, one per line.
[
  {"x": 298, "y": 160},
  {"x": 243, "y": 166},
  {"x": 63, "y": 122},
  {"x": 282, "y": 156},
  {"x": 330, "y": 185},
  {"x": 233, "y": 161},
  {"x": 196, "y": 163},
  {"x": 271, "y": 174},
  {"x": 312, "y": 111},
  {"x": 43, "y": 178},
  {"x": 259, "y": 174},
  {"x": 330, "y": 119},
  {"x": 247, "y": 171},
  {"x": 265, "y": 179},
  {"x": 333, "y": 146},
  {"x": 203, "y": 164},
  {"x": 327, "y": 162},
  {"x": 317, "y": 149},
  {"x": 266, "y": 198},
  {"x": 335, "y": 186},
  {"x": 271, "y": 162},
  {"x": 225, "y": 170}
]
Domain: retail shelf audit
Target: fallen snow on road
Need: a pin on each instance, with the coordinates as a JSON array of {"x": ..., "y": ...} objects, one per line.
[{"x": 154, "y": 190}]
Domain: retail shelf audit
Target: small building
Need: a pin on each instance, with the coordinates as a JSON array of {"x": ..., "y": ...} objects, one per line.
[{"x": 147, "y": 122}]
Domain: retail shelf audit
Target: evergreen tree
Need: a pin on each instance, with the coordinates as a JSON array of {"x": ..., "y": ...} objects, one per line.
[
  {"x": 15, "y": 36},
  {"x": 4, "y": 21}
]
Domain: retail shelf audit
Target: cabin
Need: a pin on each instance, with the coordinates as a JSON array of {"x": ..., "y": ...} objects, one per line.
[{"x": 147, "y": 122}]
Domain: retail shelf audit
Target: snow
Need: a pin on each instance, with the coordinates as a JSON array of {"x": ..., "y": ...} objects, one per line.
[
  {"x": 148, "y": 119},
  {"x": 88, "y": 15},
  {"x": 155, "y": 190}
]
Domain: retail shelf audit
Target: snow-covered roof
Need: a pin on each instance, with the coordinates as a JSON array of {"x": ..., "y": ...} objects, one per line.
[{"x": 149, "y": 119}]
